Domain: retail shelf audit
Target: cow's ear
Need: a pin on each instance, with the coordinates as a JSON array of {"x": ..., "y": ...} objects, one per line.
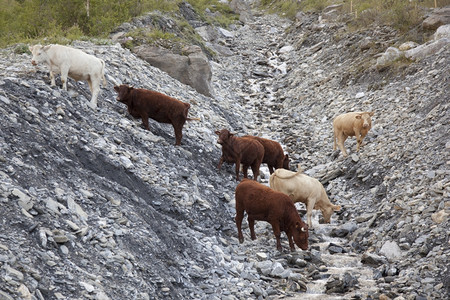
[
  {"x": 116, "y": 88},
  {"x": 358, "y": 117},
  {"x": 371, "y": 113},
  {"x": 45, "y": 48},
  {"x": 217, "y": 132},
  {"x": 30, "y": 48}
]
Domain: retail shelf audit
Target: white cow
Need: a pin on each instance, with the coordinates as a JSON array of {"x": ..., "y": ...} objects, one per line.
[
  {"x": 303, "y": 188},
  {"x": 71, "y": 62}
]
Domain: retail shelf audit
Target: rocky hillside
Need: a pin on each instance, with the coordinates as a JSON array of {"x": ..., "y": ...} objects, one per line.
[{"x": 95, "y": 207}]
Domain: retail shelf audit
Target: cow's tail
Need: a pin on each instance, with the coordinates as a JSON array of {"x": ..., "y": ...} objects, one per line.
[
  {"x": 186, "y": 109},
  {"x": 103, "y": 72},
  {"x": 299, "y": 171}
]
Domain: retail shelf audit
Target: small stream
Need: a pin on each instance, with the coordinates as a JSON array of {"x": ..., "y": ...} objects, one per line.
[
  {"x": 260, "y": 100},
  {"x": 338, "y": 264}
]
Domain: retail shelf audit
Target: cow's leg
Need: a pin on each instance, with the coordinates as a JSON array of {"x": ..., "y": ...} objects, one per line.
[
  {"x": 178, "y": 127},
  {"x": 144, "y": 118},
  {"x": 94, "y": 86},
  {"x": 341, "y": 139},
  {"x": 245, "y": 170},
  {"x": 238, "y": 166},
  {"x": 239, "y": 217},
  {"x": 360, "y": 140},
  {"x": 271, "y": 169},
  {"x": 90, "y": 84},
  {"x": 277, "y": 233},
  {"x": 64, "y": 73},
  {"x": 52, "y": 77},
  {"x": 291, "y": 242},
  {"x": 220, "y": 162},
  {"x": 251, "y": 225},
  {"x": 255, "y": 170},
  {"x": 309, "y": 209}
]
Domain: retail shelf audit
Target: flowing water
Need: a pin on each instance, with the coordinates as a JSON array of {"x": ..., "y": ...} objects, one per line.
[{"x": 339, "y": 264}]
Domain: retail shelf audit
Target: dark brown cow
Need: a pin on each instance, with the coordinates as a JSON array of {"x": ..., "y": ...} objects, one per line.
[
  {"x": 264, "y": 204},
  {"x": 146, "y": 104},
  {"x": 273, "y": 154},
  {"x": 239, "y": 150}
]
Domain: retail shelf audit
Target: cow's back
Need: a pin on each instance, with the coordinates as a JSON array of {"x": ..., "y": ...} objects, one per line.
[
  {"x": 299, "y": 187},
  {"x": 251, "y": 150},
  {"x": 158, "y": 106},
  {"x": 256, "y": 198},
  {"x": 273, "y": 153},
  {"x": 345, "y": 123}
]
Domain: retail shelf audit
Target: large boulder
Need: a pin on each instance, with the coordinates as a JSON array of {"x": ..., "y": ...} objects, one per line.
[
  {"x": 191, "y": 68},
  {"x": 437, "y": 18}
]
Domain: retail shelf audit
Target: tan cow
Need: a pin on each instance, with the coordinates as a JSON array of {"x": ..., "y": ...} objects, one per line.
[
  {"x": 351, "y": 124},
  {"x": 303, "y": 188},
  {"x": 71, "y": 62}
]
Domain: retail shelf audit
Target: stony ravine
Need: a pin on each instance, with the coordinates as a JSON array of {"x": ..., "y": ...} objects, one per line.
[{"x": 95, "y": 207}]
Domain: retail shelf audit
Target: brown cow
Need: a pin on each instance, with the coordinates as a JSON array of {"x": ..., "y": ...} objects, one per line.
[
  {"x": 146, "y": 104},
  {"x": 264, "y": 204},
  {"x": 239, "y": 150},
  {"x": 303, "y": 188},
  {"x": 273, "y": 154},
  {"x": 351, "y": 124}
]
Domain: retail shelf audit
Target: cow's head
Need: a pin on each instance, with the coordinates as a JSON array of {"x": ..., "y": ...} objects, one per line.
[
  {"x": 365, "y": 117},
  {"x": 328, "y": 211},
  {"x": 300, "y": 235},
  {"x": 224, "y": 136},
  {"x": 39, "y": 53},
  {"x": 123, "y": 93}
]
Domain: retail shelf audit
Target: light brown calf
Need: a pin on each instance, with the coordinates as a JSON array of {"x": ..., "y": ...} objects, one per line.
[{"x": 351, "y": 124}]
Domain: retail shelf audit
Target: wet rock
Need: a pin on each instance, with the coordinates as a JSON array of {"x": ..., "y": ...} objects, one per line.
[
  {"x": 336, "y": 284},
  {"x": 344, "y": 230},
  {"x": 372, "y": 259},
  {"x": 333, "y": 249}
]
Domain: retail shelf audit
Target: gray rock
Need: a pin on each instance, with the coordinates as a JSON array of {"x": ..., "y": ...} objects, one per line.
[
  {"x": 192, "y": 69},
  {"x": 372, "y": 259},
  {"x": 439, "y": 17},
  {"x": 391, "y": 250}
]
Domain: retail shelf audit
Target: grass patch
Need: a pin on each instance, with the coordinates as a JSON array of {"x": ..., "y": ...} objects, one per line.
[
  {"x": 399, "y": 14},
  {"x": 28, "y": 21}
]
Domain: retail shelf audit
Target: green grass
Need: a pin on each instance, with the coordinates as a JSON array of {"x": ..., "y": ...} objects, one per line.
[
  {"x": 402, "y": 15},
  {"x": 30, "y": 21}
]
